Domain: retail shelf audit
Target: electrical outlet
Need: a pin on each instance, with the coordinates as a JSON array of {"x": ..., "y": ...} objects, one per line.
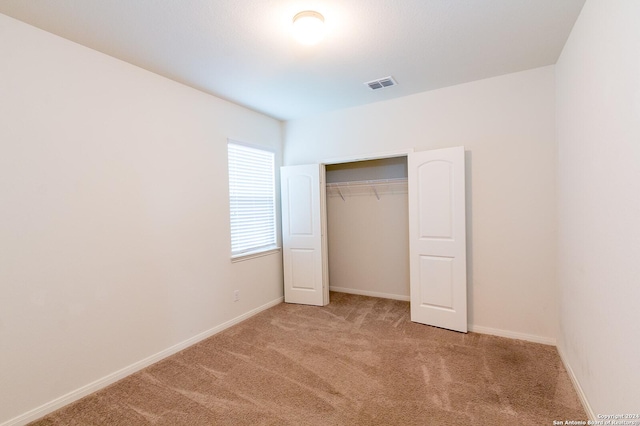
[{"x": 236, "y": 295}]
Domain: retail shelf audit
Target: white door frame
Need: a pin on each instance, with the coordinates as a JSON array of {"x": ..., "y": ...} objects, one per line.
[{"x": 368, "y": 157}]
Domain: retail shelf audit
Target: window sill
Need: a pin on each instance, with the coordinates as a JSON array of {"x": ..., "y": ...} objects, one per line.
[{"x": 254, "y": 254}]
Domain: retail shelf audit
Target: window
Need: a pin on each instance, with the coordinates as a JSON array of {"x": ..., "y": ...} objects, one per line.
[{"x": 252, "y": 199}]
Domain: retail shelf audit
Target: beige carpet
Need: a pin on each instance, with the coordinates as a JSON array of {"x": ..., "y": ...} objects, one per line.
[{"x": 358, "y": 361}]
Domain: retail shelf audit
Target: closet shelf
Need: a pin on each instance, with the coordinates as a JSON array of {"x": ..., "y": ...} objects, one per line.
[{"x": 375, "y": 187}]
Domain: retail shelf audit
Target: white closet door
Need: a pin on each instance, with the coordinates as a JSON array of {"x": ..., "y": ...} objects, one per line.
[
  {"x": 437, "y": 238},
  {"x": 304, "y": 235}
]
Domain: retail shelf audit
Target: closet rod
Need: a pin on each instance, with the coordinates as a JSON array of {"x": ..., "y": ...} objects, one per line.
[
  {"x": 367, "y": 182},
  {"x": 377, "y": 186}
]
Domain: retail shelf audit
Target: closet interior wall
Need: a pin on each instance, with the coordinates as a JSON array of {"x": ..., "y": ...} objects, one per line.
[{"x": 368, "y": 227}]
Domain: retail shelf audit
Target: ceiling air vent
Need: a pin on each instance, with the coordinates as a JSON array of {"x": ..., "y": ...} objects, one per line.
[{"x": 381, "y": 83}]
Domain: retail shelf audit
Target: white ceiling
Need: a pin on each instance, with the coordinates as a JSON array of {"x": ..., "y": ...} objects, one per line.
[{"x": 241, "y": 50}]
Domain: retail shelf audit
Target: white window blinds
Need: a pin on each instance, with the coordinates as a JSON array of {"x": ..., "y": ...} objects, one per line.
[{"x": 252, "y": 199}]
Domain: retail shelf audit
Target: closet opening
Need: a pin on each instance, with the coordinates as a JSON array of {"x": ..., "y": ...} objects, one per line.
[
  {"x": 390, "y": 226},
  {"x": 368, "y": 227}
]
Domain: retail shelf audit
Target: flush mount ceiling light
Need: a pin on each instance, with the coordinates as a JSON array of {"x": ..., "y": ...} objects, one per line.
[{"x": 308, "y": 27}]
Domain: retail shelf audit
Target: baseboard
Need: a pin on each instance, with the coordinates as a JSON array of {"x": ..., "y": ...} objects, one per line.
[
  {"x": 60, "y": 402},
  {"x": 576, "y": 385},
  {"x": 512, "y": 335},
  {"x": 369, "y": 293}
]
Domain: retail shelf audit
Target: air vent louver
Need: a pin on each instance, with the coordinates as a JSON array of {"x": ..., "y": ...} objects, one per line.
[{"x": 381, "y": 83}]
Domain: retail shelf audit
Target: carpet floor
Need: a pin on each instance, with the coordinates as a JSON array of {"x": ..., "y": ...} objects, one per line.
[{"x": 357, "y": 361}]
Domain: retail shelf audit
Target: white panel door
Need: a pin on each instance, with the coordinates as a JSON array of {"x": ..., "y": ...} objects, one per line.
[
  {"x": 437, "y": 238},
  {"x": 304, "y": 235}
]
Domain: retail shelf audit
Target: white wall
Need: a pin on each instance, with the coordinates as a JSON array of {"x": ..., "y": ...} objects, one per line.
[
  {"x": 507, "y": 126},
  {"x": 114, "y": 226},
  {"x": 598, "y": 133}
]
